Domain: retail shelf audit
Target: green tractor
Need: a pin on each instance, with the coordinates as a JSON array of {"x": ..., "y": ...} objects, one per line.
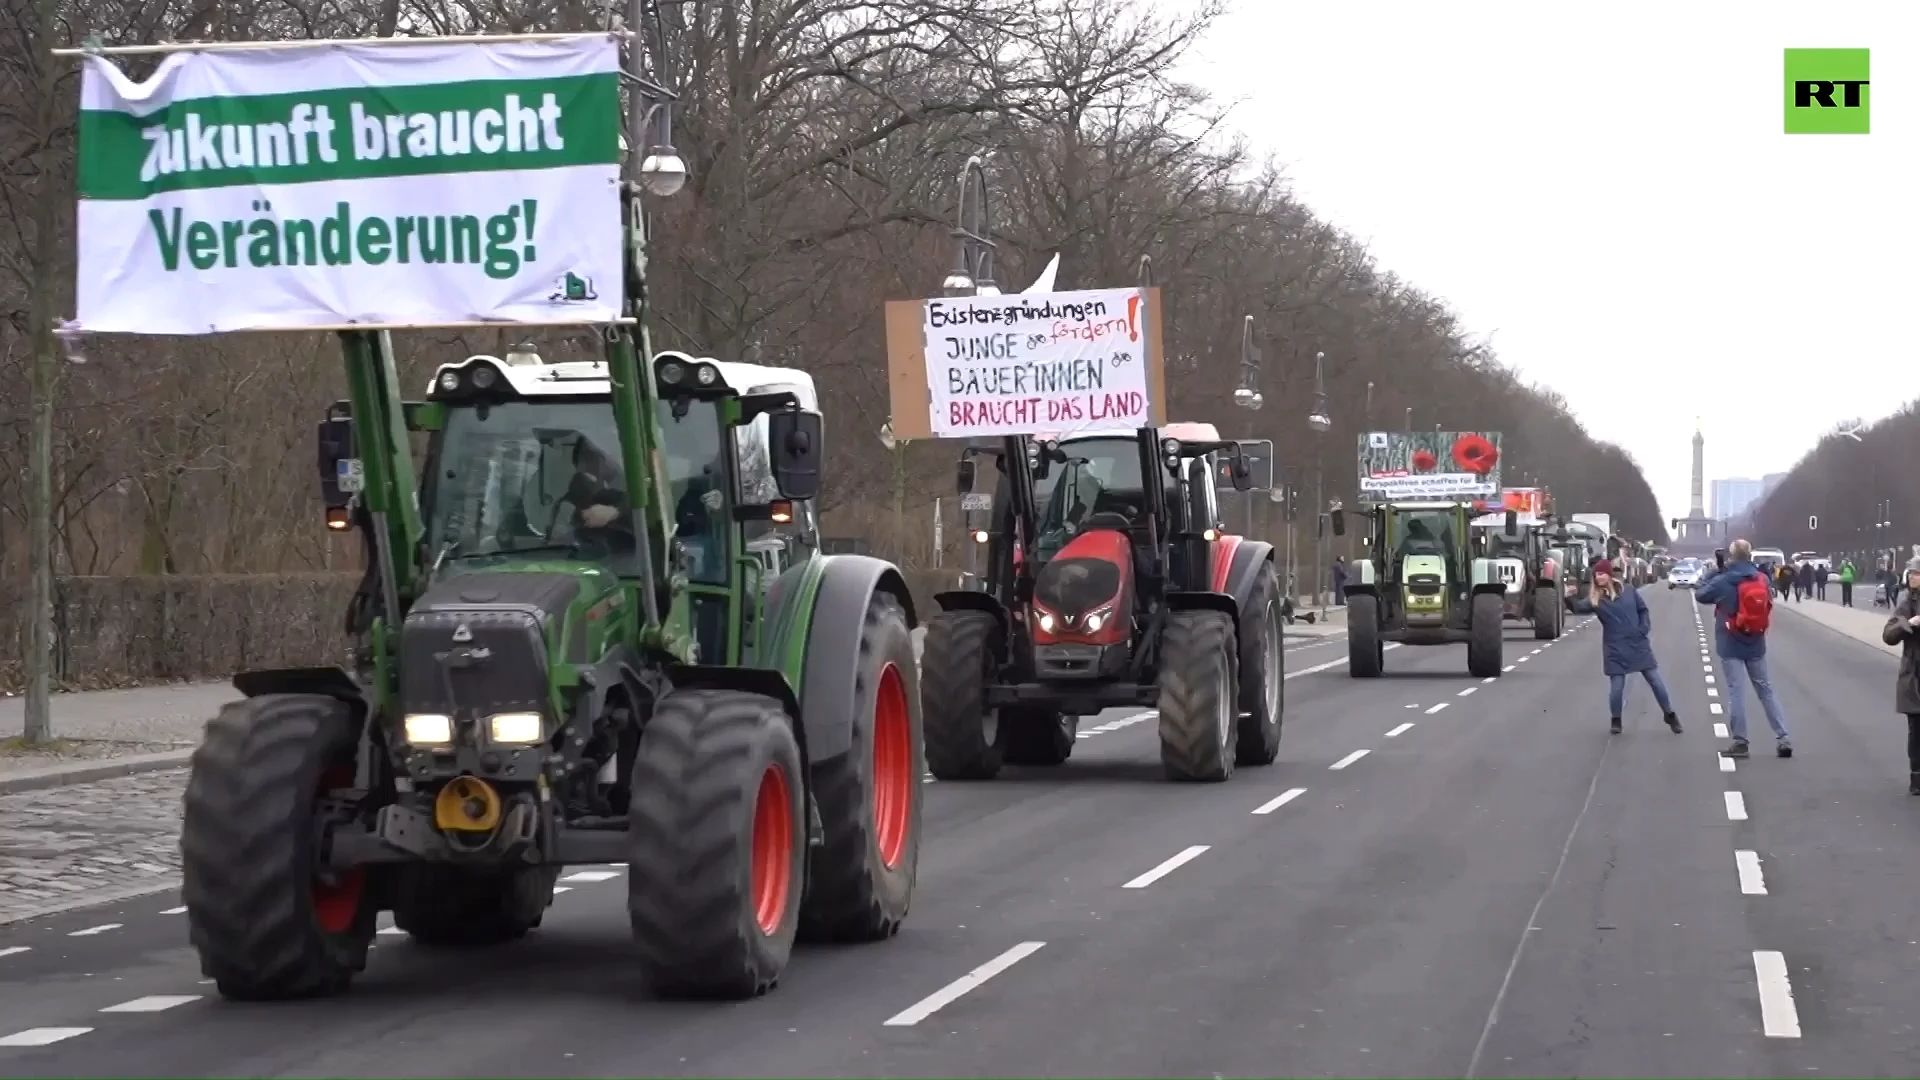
[
  {"x": 1419, "y": 584},
  {"x": 593, "y": 631}
]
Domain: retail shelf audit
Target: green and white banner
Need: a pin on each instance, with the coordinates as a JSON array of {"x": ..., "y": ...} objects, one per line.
[{"x": 418, "y": 185}]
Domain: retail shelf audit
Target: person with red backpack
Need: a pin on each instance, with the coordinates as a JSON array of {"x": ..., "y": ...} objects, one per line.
[{"x": 1742, "y": 600}]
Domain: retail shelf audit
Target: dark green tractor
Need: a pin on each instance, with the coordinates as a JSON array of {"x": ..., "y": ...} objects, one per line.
[
  {"x": 570, "y": 647},
  {"x": 1420, "y": 584}
]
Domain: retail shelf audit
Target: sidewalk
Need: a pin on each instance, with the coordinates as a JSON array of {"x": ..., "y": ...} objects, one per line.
[
  {"x": 104, "y": 734},
  {"x": 1863, "y": 624}
]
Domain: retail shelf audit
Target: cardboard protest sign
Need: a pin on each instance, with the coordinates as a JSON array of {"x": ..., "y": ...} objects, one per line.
[
  {"x": 1429, "y": 465},
  {"x": 281, "y": 188},
  {"x": 1053, "y": 363}
]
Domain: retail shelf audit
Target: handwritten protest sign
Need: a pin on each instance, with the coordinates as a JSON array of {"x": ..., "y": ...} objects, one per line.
[
  {"x": 1429, "y": 464},
  {"x": 1059, "y": 363}
]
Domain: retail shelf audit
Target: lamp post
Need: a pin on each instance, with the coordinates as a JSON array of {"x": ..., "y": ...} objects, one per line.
[
  {"x": 1321, "y": 423},
  {"x": 971, "y": 274},
  {"x": 1247, "y": 394}
]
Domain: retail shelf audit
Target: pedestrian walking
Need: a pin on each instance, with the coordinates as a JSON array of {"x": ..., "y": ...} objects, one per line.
[
  {"x": 1846, "y": 582},
  {"x": 1742, "y": 611},
  {"x": 1626, "y": 643},
  {"x": 1339, "y": 583},
  {"x": 1903, "y": 629},
  {"x": 1820, "y": 576},
  {"x": 1806, "y": 581},
  {"x": 1783, "y": 579}
]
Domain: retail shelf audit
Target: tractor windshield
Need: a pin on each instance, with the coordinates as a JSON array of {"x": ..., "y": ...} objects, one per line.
[
  {"x": 1100, "y": 476},
  {"x": 543, "y": 479},
  {"x": 1417, "y": 532}
]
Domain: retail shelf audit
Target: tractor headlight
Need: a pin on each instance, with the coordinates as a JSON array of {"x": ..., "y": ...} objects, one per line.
[
  {"x": 1099, "y": 619},
  {"x": 671, "y": 372},
  {"x": 429, "y": 729},
  {"x": 483, "y": 376},
  {"x": 1046, "y": 623},
  {"x": 1171, "y": 448},
  {"x": 450, "y": 381},
  {"x": 515, "y": 727},
  {"x": 706, "y": 375}
]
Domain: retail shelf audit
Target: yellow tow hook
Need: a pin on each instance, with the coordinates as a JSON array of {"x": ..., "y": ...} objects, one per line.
[{"x": 466, "y": 804}]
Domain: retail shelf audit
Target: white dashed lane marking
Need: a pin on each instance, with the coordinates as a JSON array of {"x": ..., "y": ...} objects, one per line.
[
  {"x": 1736, "y": 806},
  {"x": 1509, "y": 667},
  {"x": 1167, "y": 867},
  {"x": 174, "y": 911},
  {"x": 1713, "y": 707},
  {"x": 1438, "y": 707},
  {"x": 592, "y": 875},
  {"x": 1778, "y": 1016},
  {"x": 1467, "y": 691},
  {"x": 15, "y": 950},
  {"x": 1752, "y": 881},
  {"x": 1726, "y": 763},
  {"x": 1349, "y": 759},
  {"x": 92, "y": 930},
  {"x": 45, "y": 1036},
  {"x": 963, "y": 985},
  {"x": 1279, "y": 801},
  {"x": 156, "y": 1003},
  {"x": 1401, "y": 730}
]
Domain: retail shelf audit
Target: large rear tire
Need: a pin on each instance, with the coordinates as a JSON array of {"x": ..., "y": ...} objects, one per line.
[
  {"x": 1198, "y": 682},
  {"x": 958, "y": 660},
  {"x": 718, "y": 835},
  {"x": 1366, "y": 653},
  {"x": 1263, "y": 672},
  {"x": 1032, "y": 735},
  {"x": 268, "y": 922},
  {"x": 1485, "y": 632},
  {"x": 453, "y": 906},
  {"x": 861, "y": 877}
]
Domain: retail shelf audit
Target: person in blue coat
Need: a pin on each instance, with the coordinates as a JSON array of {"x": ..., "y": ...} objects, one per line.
[
  {"x": 1626, "y": 643},
  {"x": 1743, "y": 656}
]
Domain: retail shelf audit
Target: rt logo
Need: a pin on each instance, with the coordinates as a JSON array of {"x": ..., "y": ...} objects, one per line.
[{"x": 1826, "y": 92}]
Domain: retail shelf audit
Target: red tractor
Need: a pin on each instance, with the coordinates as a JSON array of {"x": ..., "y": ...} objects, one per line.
[{"x": 1109, "y": 583}]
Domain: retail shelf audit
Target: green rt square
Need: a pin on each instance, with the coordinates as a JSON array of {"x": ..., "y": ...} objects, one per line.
[{"x": 1827, "y": 92}]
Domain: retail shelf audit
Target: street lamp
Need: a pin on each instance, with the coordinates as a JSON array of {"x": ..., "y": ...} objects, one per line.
[
  {"x": 661, "y": 171},
  {"x": 1321, "y": 423},
  {"x": 972, "y": 272},
  {"x": 1247, "y": 394}
]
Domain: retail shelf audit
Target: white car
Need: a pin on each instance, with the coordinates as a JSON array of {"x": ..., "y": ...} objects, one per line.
[{"x": 1684, "y": 575}]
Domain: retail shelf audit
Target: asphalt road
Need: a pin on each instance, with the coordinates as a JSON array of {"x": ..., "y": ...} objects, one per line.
[{"x": 1442, "y": 876}]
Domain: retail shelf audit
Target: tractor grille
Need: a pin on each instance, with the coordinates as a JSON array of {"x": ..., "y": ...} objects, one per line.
[{"x": 1424, "y": 584}]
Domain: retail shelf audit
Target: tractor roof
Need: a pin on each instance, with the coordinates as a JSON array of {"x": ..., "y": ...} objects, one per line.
[
  {"x": 1499, "y": 521},
  {"x": 589, "y": 377},
  {"x": 1187, "y": 432}
]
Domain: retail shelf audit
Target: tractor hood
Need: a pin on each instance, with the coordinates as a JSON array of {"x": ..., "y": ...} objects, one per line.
[
  {"x": 1433, "y": 565},
  {"x": 475, "y": 644}
]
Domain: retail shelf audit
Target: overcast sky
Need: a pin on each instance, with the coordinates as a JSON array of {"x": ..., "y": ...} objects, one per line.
[{"x": 1608, "y": 188}]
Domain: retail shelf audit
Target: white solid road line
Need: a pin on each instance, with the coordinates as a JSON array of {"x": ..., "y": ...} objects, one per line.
[
  {"x": 1778, "y": 1016},
  {"x": 1736, "y": 806},
  {"x": 1467, "y": 691},
  {"x": 592, "y": 875},
  {"x": 156, "y": 1003},
  {"x": 1726, "y": 763},
  {"x": 1720, "y": 731},
  {"x": 1349, "y": 759},
  {"x": 92, "y": 930},
  {"x": 1167, "y": 867},
  {"x": 41, "y": 1036},
  {"x": 1401, "y": 730},
  {"x": 963, "y": 985},
  {"x": 15, "y": 950},
  {"x": 1438, "y": 707},
  {"x": 1279, "y": 800},
  {"x": 1752, "y": 881}
]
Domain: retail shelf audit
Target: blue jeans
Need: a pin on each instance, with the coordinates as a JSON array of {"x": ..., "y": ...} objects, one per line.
[
  {"x": 1617, "y": 691},
  {"x": 1756, "y": 670}
]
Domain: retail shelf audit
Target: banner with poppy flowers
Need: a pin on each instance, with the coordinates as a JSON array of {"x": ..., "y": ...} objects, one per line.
[{"x": 1429, "y": 464}]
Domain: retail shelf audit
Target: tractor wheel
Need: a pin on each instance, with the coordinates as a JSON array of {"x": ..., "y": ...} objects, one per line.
[
  {"x": 1485, "y": 629},
  {"x": 957, "y": 663},
  {"x": 453, "y": 906},
  {"x": 1198, "y": 683},
  {"x": 268, "y": 922},
  {"x": 717, "y": 832},
  {"x": 1546, "y": 614},
  {"x": 860, "y": 879},
  {"x": 1366, "y": 653},
  {"x": 1036, "y": 736},
  {"x": 1263, "y": 672}
]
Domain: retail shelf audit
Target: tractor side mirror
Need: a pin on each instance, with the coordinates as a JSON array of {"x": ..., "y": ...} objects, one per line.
[
  {"x": 1240, "y": 472},
  {"x": 796, "y": 438},
  {"x": 340, "y": 470},
  {"x": 963, "y": 477}
]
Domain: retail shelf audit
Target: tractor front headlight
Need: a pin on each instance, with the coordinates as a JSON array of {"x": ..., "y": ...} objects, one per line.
[
  {"x": 515, "y": 727},
  {"x": 450, "y": 381},
  {"x": 1046, "y": 623},
  {"x": 1099, "y": 619},
  {"x": 428, "y": 729}
]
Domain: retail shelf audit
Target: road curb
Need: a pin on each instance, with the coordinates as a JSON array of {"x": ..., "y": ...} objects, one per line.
[{"x": 90, "y": 772}]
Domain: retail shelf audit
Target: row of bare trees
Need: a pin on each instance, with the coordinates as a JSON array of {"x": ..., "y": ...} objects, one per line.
[
  {"x": 825, "y": 139},
  {"x": 1855, "y": 491}
]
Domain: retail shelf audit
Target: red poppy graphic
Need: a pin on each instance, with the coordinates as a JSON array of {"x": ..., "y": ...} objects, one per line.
[
  {"x": 1475, "y": 454},
  {"x": 1423, "y": 460}
]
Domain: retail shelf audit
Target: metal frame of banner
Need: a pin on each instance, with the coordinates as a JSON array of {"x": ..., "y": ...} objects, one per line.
[{"x": 324, "y": 43}]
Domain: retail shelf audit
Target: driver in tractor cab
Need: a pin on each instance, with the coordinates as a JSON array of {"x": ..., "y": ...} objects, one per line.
[{"x": 599, "y": 506}]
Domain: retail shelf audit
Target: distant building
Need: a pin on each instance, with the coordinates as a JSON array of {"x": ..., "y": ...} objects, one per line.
[{"x": 1734, "y": 495}]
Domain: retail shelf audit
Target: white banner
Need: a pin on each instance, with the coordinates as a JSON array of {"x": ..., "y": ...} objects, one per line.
[
  {"x": 1060, "y": 363},
  {"x": 418, "y": 185}
]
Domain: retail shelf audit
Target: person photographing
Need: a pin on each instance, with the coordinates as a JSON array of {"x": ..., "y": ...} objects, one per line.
[
  {"x": 1626, "y": 642},
  {"x": 1903, "y": 629}
]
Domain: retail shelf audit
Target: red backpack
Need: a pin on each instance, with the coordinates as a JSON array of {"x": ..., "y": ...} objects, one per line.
[{"x": 1753, "y": 608}]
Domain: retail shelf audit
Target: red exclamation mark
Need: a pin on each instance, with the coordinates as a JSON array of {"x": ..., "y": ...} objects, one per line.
[{"x": 1133, "y": 318}]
